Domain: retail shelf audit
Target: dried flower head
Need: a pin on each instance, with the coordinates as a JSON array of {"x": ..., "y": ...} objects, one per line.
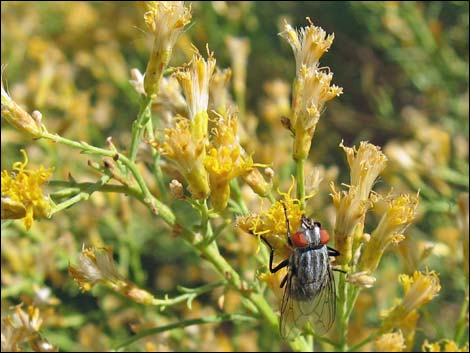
[
  {"x": 22, "y": 195},
  {"x": 166, "y": 20},
  {"x": 96, "y": 266},
  {"x": 18, "y": 117}
]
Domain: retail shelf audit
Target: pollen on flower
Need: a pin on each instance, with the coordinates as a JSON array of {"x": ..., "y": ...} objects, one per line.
[{"x": 22, "y": 195}]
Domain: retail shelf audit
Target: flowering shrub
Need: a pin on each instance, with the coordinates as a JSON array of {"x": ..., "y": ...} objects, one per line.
[{"x": 160, "y": 181}]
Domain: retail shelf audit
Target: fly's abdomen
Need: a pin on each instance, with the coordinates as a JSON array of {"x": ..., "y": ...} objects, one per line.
[{"x": 309, "y": 271}]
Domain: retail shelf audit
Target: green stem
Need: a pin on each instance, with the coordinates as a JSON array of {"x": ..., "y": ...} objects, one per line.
[
  {"x": 362, "y": 343},
  {"x": 156, "y": 163},
  {"x": 460, "y": 329},
  {"x": 237, "y": 196},
  {"x": 184, "y": 323},
  {"x": 301, "y": 182},
  {"x": 154, "y": 204},
  {"x": 72, "y": 187},
  {"x": 138, "y": 126},
  {"x": 84, "y": 195},
  {"x": 343, "y": 316}
]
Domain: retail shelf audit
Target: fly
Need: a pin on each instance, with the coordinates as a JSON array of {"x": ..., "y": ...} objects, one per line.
[{"x": 309, "y": 286}]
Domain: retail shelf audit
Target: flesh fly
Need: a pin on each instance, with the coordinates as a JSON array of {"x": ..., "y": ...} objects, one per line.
[{"x": 309, "y": 286}]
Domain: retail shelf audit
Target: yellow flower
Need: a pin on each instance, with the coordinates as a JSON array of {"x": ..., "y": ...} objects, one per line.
[
  {"x": 271, "y": 224},
  {"x": 19, "y": 118},
  {"x": 365, "y": 163},
  {"x": 195, "y": 83},
  {"x": 309, "y": 43},
  {"x": 22, "y": 195},
  {"x": 311, "y": 88},
  {"x": 419, "y": 289},
  {"x": 449, "y": 346},
  {"x": 188, "y": 152},
  {"x": 311, "y": 91},
  {"x": 399, "y": 214},
  {"x": 390, "y": 342},
  {"x": 225, "y": 160},
  {"x": 166, "y": 21},
  {"x": 257, "y": 182},
  {"x": 351, "y": 207}
]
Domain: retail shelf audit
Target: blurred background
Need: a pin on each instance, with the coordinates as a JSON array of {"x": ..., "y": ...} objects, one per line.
[{"x": 405, "y": 74}]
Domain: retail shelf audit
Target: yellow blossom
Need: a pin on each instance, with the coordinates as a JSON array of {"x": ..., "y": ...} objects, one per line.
[
  {"x": 311, "y": 91},
  {"x": 419, "y": 289},
  {"x": 225, "y": 160},
  {"x": 390, "y": 342},
  {"x": 195, "y": 83},
  {"x": 365, "y": 165},
  {"x": 443, "y": 345},
  {"x": 166, "y": 21},
  {"x": 22, "y": 195},
  {"x": 188, "y": 153},
  {"x": 400, "y": 212},
  {"x": 271, "y": 224},
  {"x": 309, "y": 43},
  {"x": 257, "y": 182}
]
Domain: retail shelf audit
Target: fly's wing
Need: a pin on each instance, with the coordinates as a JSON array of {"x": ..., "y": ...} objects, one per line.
[{"x": 319, "y": 310}]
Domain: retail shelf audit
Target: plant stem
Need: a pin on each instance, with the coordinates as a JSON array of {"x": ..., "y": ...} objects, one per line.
[
  {"x": 184, "y": 323},
  {"x": 459, "y": 330},
  {"x": 139, "y": 125},
  {"x": 301, "y": 182}
]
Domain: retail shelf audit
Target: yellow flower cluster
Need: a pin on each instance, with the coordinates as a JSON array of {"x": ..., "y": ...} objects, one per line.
[
  {"x": 208, "y": 162},
  {"x": 271, "y": 224},
  {"x": 311, "y": 89},
  {"x": 22, "y": 196}
]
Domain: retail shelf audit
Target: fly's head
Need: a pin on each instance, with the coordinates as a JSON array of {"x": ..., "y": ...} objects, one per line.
[{"x": 310, "y": 233}]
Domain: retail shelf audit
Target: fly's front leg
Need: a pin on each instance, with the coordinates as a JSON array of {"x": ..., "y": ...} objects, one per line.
[
  {"x": 271, "y": 258},
  {"x": 287, "y": 223}
]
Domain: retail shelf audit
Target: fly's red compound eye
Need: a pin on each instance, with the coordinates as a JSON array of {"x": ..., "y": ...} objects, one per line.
[
  {"x": 324, "y": 236},
  {"x": 299, "y": 240}
]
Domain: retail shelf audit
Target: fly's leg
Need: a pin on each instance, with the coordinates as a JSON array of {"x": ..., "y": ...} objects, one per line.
[
  {"x": 283, "y": 282},
  {"x": 283, "y": 264},
  {"x": 332, "y": 252},
  {"x": 287, "y": 223}
]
